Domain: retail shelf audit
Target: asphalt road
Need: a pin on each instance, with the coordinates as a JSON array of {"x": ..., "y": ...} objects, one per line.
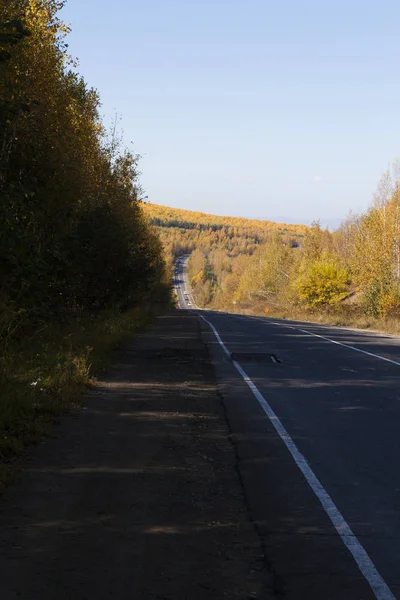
[
  {"x": 181, "y": 284},
  {"x": 338, "y": 407}
]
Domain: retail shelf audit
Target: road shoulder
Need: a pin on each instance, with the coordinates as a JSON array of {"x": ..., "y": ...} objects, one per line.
[{"x": 138, "y": 494}]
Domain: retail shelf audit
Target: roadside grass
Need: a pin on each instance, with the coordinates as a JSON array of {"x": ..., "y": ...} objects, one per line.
[
  {"x": 343, "y": 316},
  {"x": 47, "y": 374},
  {"x": 351, "y": 316}
]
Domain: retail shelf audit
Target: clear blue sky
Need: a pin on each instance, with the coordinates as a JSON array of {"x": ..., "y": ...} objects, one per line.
[{"x": 253, "y": 107}]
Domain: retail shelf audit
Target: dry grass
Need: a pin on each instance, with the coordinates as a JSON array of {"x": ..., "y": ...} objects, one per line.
[{"x": 344, "y": 316}]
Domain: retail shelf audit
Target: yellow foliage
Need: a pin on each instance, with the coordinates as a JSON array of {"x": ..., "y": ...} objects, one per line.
[
  {"x": 198, "y": 277},
  {"x": 323, "y": 283},
  {"x": 389, "y": 303},
  {"x": 176, "y": 215}
]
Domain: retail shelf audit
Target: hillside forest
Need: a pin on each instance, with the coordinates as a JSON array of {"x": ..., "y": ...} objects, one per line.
[
  {"x": 79, "y": 264},
  {"x": 351, "y": 275}
]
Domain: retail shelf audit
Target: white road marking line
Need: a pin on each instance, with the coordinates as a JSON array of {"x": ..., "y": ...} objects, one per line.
[
  {"x": 365, "y": 564},
  {"x": 322, "y": 337},
  {"x": 389, "y": 360}
]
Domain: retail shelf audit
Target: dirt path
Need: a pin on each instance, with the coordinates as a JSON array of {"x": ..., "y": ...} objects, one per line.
[{"x": 137, "y": 495}]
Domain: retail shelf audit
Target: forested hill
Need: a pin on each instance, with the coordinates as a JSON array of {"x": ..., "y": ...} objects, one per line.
[
  {"x": 165, "y": 216},
  {"x": 183, "y": 231}
]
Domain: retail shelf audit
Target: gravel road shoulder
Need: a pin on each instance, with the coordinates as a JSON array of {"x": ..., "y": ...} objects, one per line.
[{"x": 136, "y": 495}]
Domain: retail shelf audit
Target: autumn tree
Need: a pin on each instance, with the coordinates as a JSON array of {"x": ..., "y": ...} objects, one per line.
[
  {"x": 73, "y": 235},
  {"x": 375, "y": 260}
]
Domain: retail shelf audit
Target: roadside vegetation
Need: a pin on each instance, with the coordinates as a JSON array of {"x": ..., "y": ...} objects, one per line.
[
  {"x": 347, "y": 277},
  {"x": 80, "y": 268}
]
